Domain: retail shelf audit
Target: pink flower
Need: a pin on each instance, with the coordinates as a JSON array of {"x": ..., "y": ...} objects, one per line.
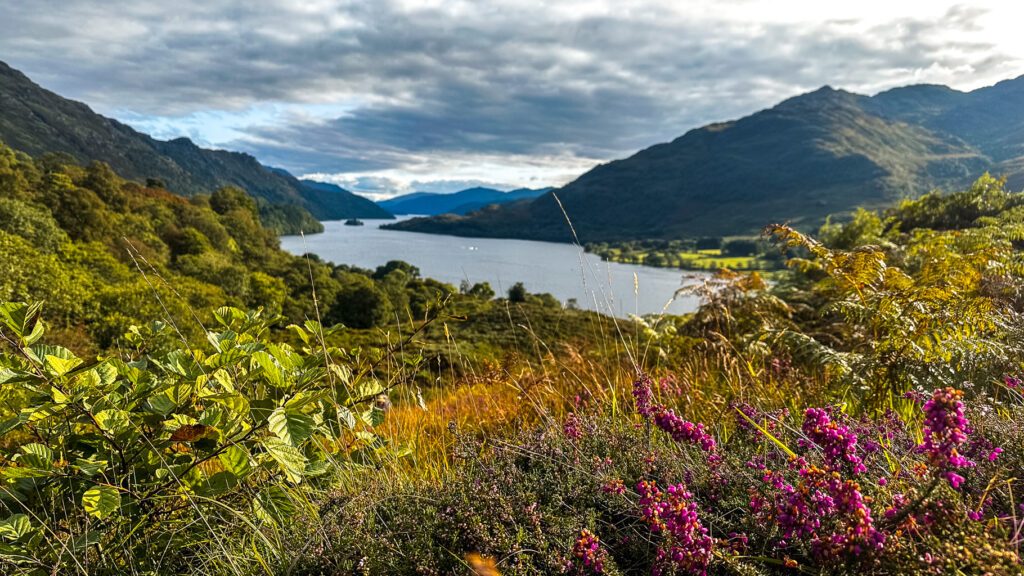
[{"x": 945, "y": 428}]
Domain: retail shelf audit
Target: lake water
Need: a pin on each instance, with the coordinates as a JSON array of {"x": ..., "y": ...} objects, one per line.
[{"x": 562, "y": 270}]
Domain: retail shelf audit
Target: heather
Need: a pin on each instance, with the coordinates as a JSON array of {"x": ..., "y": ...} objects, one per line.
[{"x": 858, "y": 412}]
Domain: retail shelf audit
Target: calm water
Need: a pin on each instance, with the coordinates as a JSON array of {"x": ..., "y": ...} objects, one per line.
[{"x": 560, "y": 269}]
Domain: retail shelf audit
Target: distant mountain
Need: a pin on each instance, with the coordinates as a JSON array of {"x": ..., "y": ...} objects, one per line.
[
  {"x": 37, "y": 121},
  {"x": 429, "y": 203},
  {"x": 820, "y": 153}
]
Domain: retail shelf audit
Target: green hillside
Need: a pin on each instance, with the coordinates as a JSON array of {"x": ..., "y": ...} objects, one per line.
[
  {"x": 824, "y": 152},
  {"x": 37, "y": 122}
]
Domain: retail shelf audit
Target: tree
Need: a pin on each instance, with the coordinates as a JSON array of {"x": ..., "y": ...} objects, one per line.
[
  {"x": 481, "y": 290},
  {"x": 31, "y": 223},
  {"x": 229, "y": 198},
  {"x": 709, "y": 243},
  {"x": 410, "y": 271},
  {"x": 360, "y": 304},
  {"x": 517, "y": 293},
  {"x": 740, "y": 247}
]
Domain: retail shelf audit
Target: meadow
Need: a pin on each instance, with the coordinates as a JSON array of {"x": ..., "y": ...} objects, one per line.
[{"x": 861, "y": 413}]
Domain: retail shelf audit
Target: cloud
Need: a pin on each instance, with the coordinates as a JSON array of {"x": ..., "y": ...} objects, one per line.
[{"x": 481, "y": 91}]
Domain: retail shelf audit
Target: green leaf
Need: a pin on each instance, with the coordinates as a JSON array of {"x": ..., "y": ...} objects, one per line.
[
  {"x": 90, "y": 467},
  {"x": 161, "y": 404},
  {"x": 233, "y": 401},
  {"x": 305, "y": 397},
  {"x": 23, "y": 319},
  {"x": 369, "y": 389},
  {"x": 101, "y": 501},
  {"x": 288, "y": 458},
  {"x": 114, "y": 421},
  {"x": 42, "y": 412},
  {"x": 61, "y": 366},
  {"x": 291, "y": 426},
  {"x": 226, "y": 315},
  {"x": 37, "y": 456},
  {"x": 15, "y": 527},
  {"x": 271, "y": 371},
  {"x": 18, "y": 472},
  {"x": 317, "y": 468},
  {"x": 12, "y": 423},
  {"x": 83, "y": 541},
  {"x": 301, "y": 333},
  {"x": 347, "y": 417},
  {"x": 236, "y": 460}
]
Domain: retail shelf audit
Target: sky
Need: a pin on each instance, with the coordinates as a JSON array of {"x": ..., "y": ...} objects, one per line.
[{"x": 386, "y": 97}]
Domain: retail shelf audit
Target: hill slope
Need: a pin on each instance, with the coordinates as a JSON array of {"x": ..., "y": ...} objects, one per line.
[
  {"x": 824, "y": 152},
  {"x": 37, "y": 121},
  {"x": 461, "y": 202}
]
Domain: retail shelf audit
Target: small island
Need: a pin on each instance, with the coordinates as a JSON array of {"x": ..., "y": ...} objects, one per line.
[{"x": 354, "y": 222}]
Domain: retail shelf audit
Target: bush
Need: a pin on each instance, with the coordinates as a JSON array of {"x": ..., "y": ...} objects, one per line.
[
  {"x": 130, "y": 462},
  {"x": 517, "y": 293}
]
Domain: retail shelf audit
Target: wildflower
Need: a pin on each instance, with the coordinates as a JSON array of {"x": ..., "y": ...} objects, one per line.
[
  {"x": 687, "y": 546},
  {"x": 588, "y": 550},
  {"x": 643, "y": 396},
  {"x": 1013, "y": 382},
  {"x": 614, "y": 486},
  {"x": 945, "y": 428},
  {"x": 823, "y": 498},
  {"x": 682, "y": 431},
  {"x": 572, "y": 427},
  {"x": 836, "y": 440}
]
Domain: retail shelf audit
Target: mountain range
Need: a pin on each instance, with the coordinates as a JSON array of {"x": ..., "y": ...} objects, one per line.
[
  {"x": 37, "y": 121},
  {"x": 461, "y": 202},
  {"x": 820, "y": 153}
]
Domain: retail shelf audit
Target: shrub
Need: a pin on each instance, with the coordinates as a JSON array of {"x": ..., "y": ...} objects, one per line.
[
  {"x": 650, "y": 493},
  {"x": 126, "y": 463}
]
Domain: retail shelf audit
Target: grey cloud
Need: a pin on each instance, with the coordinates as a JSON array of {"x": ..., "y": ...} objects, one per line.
[{"x": 494, "y": 79}]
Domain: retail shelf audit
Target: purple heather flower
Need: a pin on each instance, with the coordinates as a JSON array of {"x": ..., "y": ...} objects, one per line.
[
  {"x": 945, "y": 428},
  {"x": 572, "y": 427},
  {"x": 588, "y": 549},
  {"x": 682, "y": 431},
  {"x": 837, "y": 441},
  {"x": 687, "y": 544},
  {"x": 822, "y": 498},
  {"x": 643, "y": 396}
]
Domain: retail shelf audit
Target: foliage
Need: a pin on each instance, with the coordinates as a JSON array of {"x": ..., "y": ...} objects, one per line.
[
  {"x": 517, "y": 292},
  {"x": 125, "y": 457},
  {"x": 929, "y": 305},
  {"x": 100, "y": 239}
]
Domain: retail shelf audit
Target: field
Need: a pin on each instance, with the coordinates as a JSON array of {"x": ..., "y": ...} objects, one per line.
[{"x": 686, "y": 256}]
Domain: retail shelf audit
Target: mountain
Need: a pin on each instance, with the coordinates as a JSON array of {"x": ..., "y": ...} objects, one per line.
[
  {"x": 37, "y": 121},
  {"x": 429, "y": 203},
  {"x": 819, "y": 153}
]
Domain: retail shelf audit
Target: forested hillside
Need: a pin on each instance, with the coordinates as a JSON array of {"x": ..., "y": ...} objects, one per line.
[
  {"x": 37, "y": 121},
  {"x": 821, "y": 153},
  {"x": 104, "y": 253}
]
